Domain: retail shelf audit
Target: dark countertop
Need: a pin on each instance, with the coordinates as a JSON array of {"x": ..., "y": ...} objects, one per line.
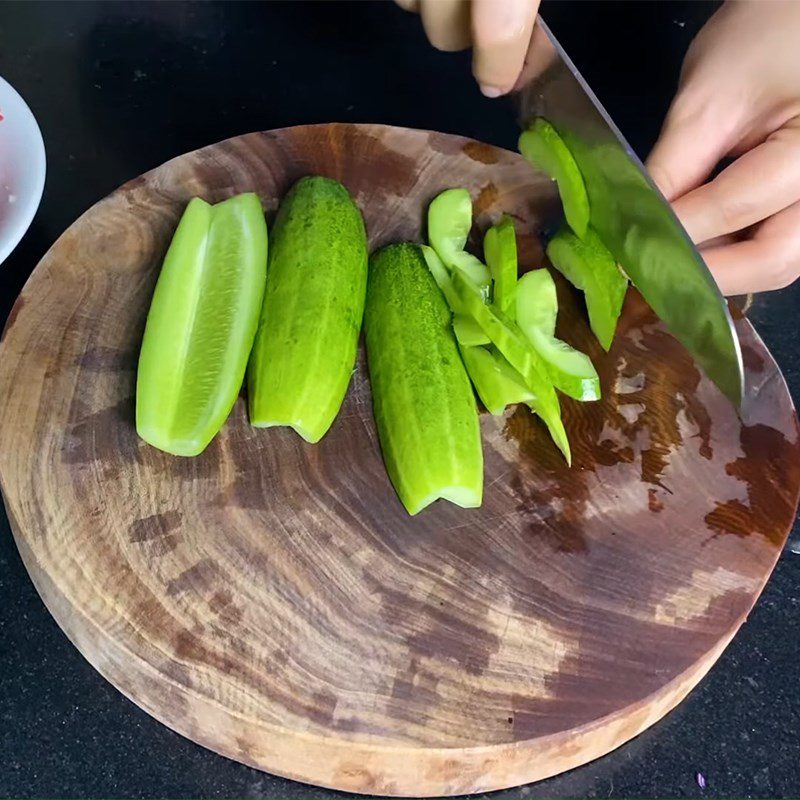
[{"x": 119, "y": 88}]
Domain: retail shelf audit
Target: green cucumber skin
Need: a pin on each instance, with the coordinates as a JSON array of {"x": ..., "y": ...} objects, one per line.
[
  {"x": 307, "y": 340},
  {"x": 425, "y": 410}
]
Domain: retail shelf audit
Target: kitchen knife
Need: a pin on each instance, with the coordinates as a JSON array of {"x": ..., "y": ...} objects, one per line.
[{"x": 632, "y": 217}]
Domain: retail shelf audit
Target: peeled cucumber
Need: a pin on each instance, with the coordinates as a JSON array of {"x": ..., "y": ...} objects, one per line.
[
  {"x": 201, "y": 324},
  {"x": 571, "y": 371},
  {"x": 425, "y": 411},
  {"x": 543, "y": 147},
  {"x": 305, "y": 349},
  {"x": 588, "y": 265}
]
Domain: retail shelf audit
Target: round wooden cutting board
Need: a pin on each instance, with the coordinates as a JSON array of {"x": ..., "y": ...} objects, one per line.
[{"x": 272, "y": 601}]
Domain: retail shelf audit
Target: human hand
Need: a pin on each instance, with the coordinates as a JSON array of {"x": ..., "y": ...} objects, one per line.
[
  {"x": 500, "y": 32},
  {"x": 739, "y": 96}
]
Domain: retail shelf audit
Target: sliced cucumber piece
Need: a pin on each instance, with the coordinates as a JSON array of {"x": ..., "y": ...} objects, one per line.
[
  {"x": 588, "y": 265},
  {"x": 537, "y": 299},
  {"x": 425, "y": 411},
  {"x": 449, "y": 223},
  {"x": 201, "y": 324},
  {"x": 474, "y": 269},
  {"x": 571, "y": 371},
  {"x": 500, "y": 252},
  {"x": 442, "y": 277},
  {"x": 497, "y": 383},
  {"x": 542, "y": 146},
  {"x": 468, "y": 332},
  {"x": 307, "y": 339},
  {"x": 519, "y": 352}
]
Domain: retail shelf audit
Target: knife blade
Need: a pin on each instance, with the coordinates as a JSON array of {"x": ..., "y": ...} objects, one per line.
[{"x": 633, "y": 218}]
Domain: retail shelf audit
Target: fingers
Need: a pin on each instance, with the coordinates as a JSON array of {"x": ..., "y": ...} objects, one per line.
[
  {"x": 756, "y": 186},
  {"x": 690, "y": 145},
  {"x": 769, "y": 260},
  {"x": 539, "y": 57},
  {"x": 446, "y": 23},
  {"x": 501, "y": 33}
]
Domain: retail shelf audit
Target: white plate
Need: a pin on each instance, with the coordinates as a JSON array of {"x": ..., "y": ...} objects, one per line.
[{"x": 22, "y": 168}]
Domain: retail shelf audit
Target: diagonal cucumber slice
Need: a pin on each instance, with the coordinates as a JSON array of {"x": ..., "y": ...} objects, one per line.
[
  {"x": 449, "y": 223},
  {"x": 542, "y": 146},
  {"x": 571, "y": 371},
  {"x": 511, "y": 342},
  {"x": 588, "y": 265},
  {"x": 497, "y": 383},
  {"x": 442, "y": 277},
  {"x": 468, "y": 332},
  {"x": 201, "y": 324},
  {"x": 500, "y": 251}
]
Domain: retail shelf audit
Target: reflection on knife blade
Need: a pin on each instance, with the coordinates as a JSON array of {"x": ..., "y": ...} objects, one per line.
[{"x": 633, "y": 219}]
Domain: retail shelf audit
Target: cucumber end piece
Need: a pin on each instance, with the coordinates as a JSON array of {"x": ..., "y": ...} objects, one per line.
[
  {"x": 461, "y": 496},
  {"x": 310, "y": 436},
  {"x": 185, "y": 448}
]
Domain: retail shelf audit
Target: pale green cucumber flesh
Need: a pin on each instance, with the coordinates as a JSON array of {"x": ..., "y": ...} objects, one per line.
[
  {"x": 496, "y": 382},
  {"x": 511, "y": 342},
  {"x": 425, "y": 411},
  {"x": 307, "y": 340},
  {"x": 468, "y": 332},
  {"x": 589, "y": 266},
  {"x": 201, "y": 324},
  {"x": 449, "y": 224},
  {"x": 500, "y": 252},
  {"x": 571, "y": 371},
  {"x": 537, "y": 301},
  {"x": 543, "y": 147},
  {"x": 475, "y": 270}
]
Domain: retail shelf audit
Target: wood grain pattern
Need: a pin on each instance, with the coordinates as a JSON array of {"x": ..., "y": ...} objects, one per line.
[{"x": 272, "y": 601}]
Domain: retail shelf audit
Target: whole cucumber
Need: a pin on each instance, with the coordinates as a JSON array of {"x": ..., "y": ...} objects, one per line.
[
  {"x": 424, "y": 407},
  {"x": 305, "y": 349}
]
